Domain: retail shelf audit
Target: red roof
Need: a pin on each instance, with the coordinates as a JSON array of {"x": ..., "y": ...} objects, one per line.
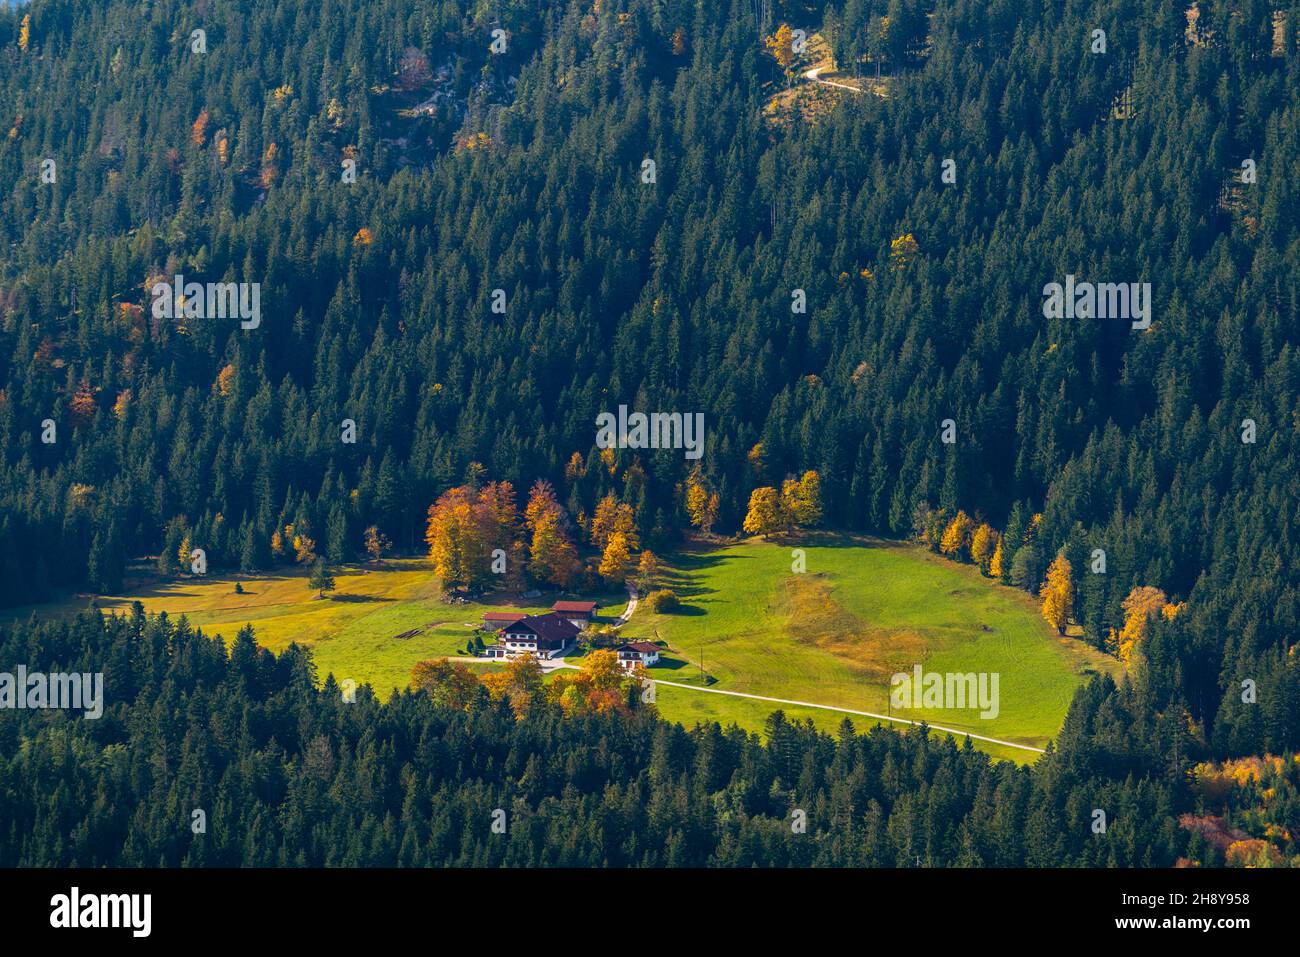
[
  {"x": 503, "y": 615},
  {"x": 645, "y": 647},
  {"x": 582, "y": 607}
]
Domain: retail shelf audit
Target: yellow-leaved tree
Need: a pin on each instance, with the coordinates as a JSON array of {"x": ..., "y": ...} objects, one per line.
[
  {"x": 982, "y": 545},
  {"x": 600, "y": 686},
  {"x": 449, "y": 683},
  {"x": 554, "y": 557},
  {"x": 575, "y": 468},
  {"x": 997, "y": 564},
  {"x": 520, "y": 681},
  {"x": 376, "y": 543},
  {"x": 646, "y": 570},
  {"x": 304, "y": 547},
  {"x": 1142, "y": 604},
  {"x": 466, "y": 525},
  {"x": 701, "y": 504},
  {"x": 614, "y": 516},
  {"x": 801, "y": 500},
  {"x": 615, "y": 559},
  {"x": 781, "y": 43},
  {"x": 956, "y": 537},
  {"x": 1058, "y": 594},
  {"x": 903, "y": 251},
  {"x": 764, "y": 515}
]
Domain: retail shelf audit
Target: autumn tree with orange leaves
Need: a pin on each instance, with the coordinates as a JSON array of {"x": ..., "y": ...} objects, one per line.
[
  {"x": 614, "y": 518},
  {"x": 600, "y": 686},
  {"x": 82, "y": 406},
  {"x": 679, "y": 42},
  {"x": 465, "y": 527},
  {"x": 199, "y": 130},
  {"x": 449, "y": 683},
  {"x": 520, "y": 682}
]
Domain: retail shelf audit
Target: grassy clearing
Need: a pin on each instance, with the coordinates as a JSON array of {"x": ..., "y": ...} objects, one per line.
[
  {"x": 833, "y": 634},
  {"x": 801, "y": 99},
  {"x": 352, "y": 632},
  {"x": 862, "y": 611}
]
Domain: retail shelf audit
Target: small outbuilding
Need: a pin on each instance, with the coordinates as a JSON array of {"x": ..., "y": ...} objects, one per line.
[{"x": 579, "y": 612}]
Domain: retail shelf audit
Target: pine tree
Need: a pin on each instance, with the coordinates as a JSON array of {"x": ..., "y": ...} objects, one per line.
[{"x": 321, "y": 579}]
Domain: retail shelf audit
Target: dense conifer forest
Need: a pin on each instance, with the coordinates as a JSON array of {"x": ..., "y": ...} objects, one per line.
[
  {"x": 124, "y": 434},
  {"x": 289, "y": 775}
]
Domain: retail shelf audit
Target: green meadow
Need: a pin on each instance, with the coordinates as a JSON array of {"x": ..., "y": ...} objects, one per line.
[
  {"x": 831, "y": 634},
  {"x": 861, "y": 611},
  {"x": 352, "y": 632}
]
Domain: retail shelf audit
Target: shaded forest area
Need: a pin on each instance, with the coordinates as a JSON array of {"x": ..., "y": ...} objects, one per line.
[{"x": 287, "y": 774}]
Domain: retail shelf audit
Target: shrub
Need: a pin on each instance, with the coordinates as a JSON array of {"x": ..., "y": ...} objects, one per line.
[{"x": 663, "y": 600}]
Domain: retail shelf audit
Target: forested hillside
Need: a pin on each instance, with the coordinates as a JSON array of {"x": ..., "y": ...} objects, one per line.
[
  {"x": 225, "y": 156},
  {"x": 289, "y": 775}
]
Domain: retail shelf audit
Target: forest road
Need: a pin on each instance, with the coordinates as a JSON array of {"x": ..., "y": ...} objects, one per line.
[
  {"x": 555, "y": 664},
  {"x": 814, "y": 75},
  {"x": 867, "y": 714},
  {"x": 632, "y": 598}
]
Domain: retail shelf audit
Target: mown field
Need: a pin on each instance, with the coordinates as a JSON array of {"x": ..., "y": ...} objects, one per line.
[
  {"x": 861, "y": 611},
  {"x": 832, "y": 634}
]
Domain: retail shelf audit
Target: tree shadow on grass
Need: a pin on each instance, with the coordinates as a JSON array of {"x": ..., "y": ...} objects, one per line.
[
  {"x": 683, "y": 590},
  {"x": 668, "y": 664},
  {"x": 683, "y": 576},
  {"x": 826, "y": 538},
  {"x": 682, "y": 579},
  {"x": 682, "y": 672},
  {"x": 686, "y": 611},
  {"x": 360, "y": 599}
]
